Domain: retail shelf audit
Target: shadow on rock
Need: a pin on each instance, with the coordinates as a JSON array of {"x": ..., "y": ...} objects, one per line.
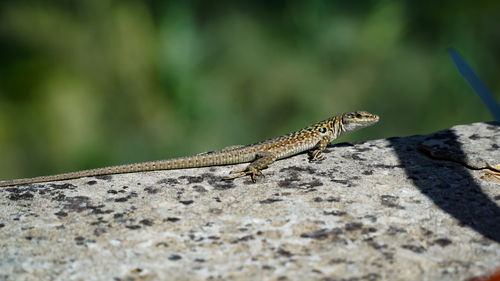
[{"x": 449, "y": 184}]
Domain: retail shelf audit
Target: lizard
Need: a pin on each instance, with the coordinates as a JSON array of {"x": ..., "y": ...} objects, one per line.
[{"x": 313, "y": 138}]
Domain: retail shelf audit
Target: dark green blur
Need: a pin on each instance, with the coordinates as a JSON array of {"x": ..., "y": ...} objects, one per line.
[{"x": 91, "y": 83}]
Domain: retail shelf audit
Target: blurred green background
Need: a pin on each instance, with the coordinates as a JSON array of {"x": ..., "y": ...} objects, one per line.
[{"x": 85, "y": 84}]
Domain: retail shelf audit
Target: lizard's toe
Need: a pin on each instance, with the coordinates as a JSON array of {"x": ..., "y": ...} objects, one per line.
[{"x": 239, "y": 173}]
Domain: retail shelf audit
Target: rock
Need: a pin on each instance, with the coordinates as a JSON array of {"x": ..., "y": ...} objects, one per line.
[
  {"x": 477, "y": 147},
  {"x": 410, "y": 208}
]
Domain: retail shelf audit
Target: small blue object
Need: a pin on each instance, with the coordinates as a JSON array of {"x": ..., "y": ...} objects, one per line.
[{"x": 475, "y": 82}]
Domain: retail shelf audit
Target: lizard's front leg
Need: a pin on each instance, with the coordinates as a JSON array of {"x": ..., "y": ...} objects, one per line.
[
  {"x": 315, "y": 154},
  {"x": 263, "y": 160}
]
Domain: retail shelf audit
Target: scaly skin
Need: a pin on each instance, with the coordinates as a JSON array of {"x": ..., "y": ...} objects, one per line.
[{"x": 313, "y": 138}]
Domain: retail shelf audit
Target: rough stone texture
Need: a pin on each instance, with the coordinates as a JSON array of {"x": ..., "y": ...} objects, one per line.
[{"x": 412, "y": 208}]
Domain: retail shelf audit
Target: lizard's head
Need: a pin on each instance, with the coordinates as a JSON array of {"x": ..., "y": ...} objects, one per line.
[{"x": 352, "y": 121}]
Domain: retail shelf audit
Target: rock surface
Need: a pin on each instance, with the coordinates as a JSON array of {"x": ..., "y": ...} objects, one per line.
[{"x": 411, "y": 208}]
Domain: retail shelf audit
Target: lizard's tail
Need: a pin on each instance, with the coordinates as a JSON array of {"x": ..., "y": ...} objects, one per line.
[
  {"x": 200, "y": 160},
  {"x": 73, "y": 175}
]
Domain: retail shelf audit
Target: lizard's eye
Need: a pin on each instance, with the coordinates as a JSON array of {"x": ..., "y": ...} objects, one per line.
[{"x": 322, "y": 130}]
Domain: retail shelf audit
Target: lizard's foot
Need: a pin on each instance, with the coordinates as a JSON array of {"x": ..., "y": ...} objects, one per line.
[
  {"x": 316, "y": 156},
  {"x": 262, "y": 161},
  {"x": 254, "y": 173}
]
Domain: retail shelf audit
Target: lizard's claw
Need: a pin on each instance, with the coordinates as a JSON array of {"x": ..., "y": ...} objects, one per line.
[
  {"x": 316, "y": 156},
  {"x": 240, "y": 174},
  {"x": 254, "y": 173}
]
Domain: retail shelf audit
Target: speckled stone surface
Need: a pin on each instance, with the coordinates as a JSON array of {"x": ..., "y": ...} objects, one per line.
[{"x": 390, "y": 209}]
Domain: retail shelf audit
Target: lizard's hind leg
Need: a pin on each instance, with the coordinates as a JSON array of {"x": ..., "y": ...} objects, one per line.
[{"x": 262, "y": 161}]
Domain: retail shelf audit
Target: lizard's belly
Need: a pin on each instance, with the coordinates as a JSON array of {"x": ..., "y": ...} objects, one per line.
[{"x": 283, "y": 152}]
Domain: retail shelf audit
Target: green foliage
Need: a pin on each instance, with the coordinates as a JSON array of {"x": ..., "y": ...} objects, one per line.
[{"x": 91, "y": 83}]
